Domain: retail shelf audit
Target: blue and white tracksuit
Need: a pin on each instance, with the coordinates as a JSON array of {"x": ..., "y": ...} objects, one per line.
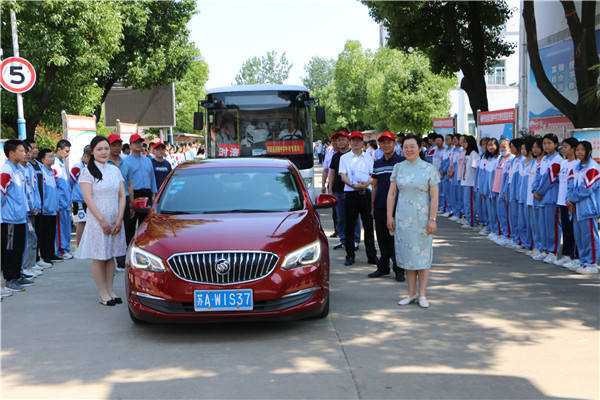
[
  {"x": 524, "y": 193},
  {"x": 34, "y": 203},
  {"x": 512, "y": 195},
  {"x": 76, "y": 194},
  {"x": 455, "y": 203},
  {"x": 445, "y": 181},
  {"x": 503, "y": 168},
  {"x": 480, "y": 203},
  {"x": 547, "y": 187},
  {"x": 13, "y": 199},
  {"x": 537, "y": 214},
  {"x": 437, "y": 163},
  {"x": 584, "y": 191},
  {"x": 485, "y": 185},
  {"x": 63, "y": 215}
]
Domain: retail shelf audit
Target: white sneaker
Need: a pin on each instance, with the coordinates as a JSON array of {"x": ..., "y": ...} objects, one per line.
[
  {"x": 29, "y": 271},
  {"x": 407, "y": 300},
  {"x": 43, "y": 264},
  {"x": 521, "y": 249},
  {"x": 573, "y": 265},
  {"x": 37, "y": 268},
  {"x": 67, "y": 256},
  {"x": 445, "y": 214},
  {"x": 588, "y": 269},
  {"x": 484, "y": 232},
  {"x": 466, "y": 226},
  {"x": 562, "y": 261},
  {"x": 453, "y": 218},
  {"x": 423, "y": 302},
  {"x": 550, "y": 258},
  {"x": 4, "y": 292},
  {"x": 539, "y": 256}
]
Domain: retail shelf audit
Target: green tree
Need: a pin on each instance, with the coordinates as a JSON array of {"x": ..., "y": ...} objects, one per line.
[
  {"x": 69, "y": 44},
  {"x": 154, "y": 49},
  {"x": 411, "y": 94},
  {"x": 319, "y": 73},
  {"x": 351, "y": 73},
  {"x": 188, "y": 91},
  {"x": 586, "y": 112},
  {"x": 266, "y": 69},
  {"x": 455, "y": 35}
]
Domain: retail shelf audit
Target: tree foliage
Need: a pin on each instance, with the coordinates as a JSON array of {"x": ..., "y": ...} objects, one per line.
[
  {"x": 455, "y": 35},
  {"x": 266, "y": 69},
  {"x": 319, "y": 73},
  {"x": 386, "y": 90},
  {"x": 188, "y": 91},
  {"x": 81, "y": 48},
  {"x": 586, "y": 112}
]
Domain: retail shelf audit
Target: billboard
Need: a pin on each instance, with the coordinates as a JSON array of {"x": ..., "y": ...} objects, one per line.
[
  {"x": 444, "y": 126},
  {"x": 499, "y": 124},
  {"x": 79, "y": 130},
  {"x": 146, "y": 108},
  {"x": 592, "y": 136}
]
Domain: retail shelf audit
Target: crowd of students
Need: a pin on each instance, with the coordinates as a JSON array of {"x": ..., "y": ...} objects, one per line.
[
  {"x": 534, "y": 195},
  {"x": 41, "y": 199}
]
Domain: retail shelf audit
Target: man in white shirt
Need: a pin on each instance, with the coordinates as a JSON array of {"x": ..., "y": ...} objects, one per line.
[
  {"x": 291, "y": 133},
  {"x": 356, "y": 168}
]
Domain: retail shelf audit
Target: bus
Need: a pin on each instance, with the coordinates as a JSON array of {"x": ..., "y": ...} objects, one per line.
[{"x": 261, "y": 121}]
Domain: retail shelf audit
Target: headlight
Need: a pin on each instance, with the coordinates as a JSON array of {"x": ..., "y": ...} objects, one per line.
[
  {"x": 309, "y": 254},
  {"x": 142, "y": 259}
]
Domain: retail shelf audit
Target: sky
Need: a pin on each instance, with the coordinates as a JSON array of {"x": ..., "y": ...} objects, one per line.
[{"x": 228, "y": 32}]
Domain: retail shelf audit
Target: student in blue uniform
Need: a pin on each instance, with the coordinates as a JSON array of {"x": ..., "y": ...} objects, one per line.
[
  {"x": 63, "y": 215},
  {"x": 501, "y": 184},
  {"x": 480, "y": 203},
  {"x": 32, "y": 195},
  {"x": 537, "y": 217},
  {"x": 444, "y": 206},
  {"x": 512, "y": 192},
  {"x": 546, "y": 191},
  {"x": 49, "y": 208},
  {"x": 583, "y": 200},
  {"x": 493, "y": 153},
  {"x": 14, "y": 216},
  {"x": 468, "y": 181},
  {"x": 79, "y": 206},
  {"x": 524, "y": 193}
]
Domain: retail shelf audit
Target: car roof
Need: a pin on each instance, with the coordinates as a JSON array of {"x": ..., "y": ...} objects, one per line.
[
  {"x": 252, "y": 88},
  {"x": 240, "y": 162}
]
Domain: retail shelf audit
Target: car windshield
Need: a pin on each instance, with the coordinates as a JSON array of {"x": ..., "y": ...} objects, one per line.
[{"x": 230, "y": 190}]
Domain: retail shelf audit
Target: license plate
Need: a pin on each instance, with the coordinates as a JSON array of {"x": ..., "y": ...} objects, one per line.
[{"x": 223, "y": 300}]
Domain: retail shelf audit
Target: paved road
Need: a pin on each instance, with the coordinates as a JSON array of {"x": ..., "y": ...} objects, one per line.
[{"x": 499, "y": 326}]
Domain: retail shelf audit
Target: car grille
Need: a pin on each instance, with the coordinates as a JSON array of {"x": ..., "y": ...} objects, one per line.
[{"x": 244, "y": 266}]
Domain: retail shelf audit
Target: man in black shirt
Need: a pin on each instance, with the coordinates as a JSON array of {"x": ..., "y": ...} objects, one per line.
[
  {"x": 160, "y": 166},
  {"x": 382, "y": 170},
  {"x": 336, "y": 187}
]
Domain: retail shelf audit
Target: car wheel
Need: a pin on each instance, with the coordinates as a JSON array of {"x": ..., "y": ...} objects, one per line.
[
  {"x": 135, "y": 319},
  {"x": 325, "y": 311}
]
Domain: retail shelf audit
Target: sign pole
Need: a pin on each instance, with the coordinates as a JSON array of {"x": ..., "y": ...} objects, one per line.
[{"x": 15, "y": 39}]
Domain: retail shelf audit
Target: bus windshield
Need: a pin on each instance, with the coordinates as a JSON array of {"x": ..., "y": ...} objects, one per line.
[{"x": 260, "y": 123}]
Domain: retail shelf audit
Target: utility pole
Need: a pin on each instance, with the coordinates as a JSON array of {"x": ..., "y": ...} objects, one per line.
[{"x": 20, "y": 116}]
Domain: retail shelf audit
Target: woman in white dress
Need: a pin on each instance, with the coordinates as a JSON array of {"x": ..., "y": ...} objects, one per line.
[{"x": 103, "y": 237}]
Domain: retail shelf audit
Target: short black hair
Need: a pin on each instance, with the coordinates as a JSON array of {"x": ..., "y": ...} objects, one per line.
[
  {"x": 42, "y": 154},
  {"x": 571, "y": 142},
  {"x": 11, "y": 145},
  {"x": 552, "y": 137},
  {"x": 125, "y": 146},
  {"x": 29, "y": 141},
  {"x": 62, "y": 143}
]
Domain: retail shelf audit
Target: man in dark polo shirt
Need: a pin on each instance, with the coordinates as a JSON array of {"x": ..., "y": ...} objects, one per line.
[
  {"x": 336, "y": 187},
  {"x": 382, "y": 170}
]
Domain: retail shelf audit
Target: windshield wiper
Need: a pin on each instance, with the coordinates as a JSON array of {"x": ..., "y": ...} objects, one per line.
[
  {"x": 238, "y": 210},
  {"x": 174, "y": 212}
]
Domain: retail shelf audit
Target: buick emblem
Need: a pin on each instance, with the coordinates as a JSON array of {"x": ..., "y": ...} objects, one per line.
[{"x": 222, "y": 266}]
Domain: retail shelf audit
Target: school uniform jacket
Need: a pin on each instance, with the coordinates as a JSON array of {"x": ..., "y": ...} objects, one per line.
[
  {"x": 547, "y": 185},
  {"x": 583, "y": 189},
  {"x": 12, "y": 194}
]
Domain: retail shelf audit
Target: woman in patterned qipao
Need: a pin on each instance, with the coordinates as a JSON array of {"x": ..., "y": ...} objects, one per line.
[{"x": 416, "y": 184}]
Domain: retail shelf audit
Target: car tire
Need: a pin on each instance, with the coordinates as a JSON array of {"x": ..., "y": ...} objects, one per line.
[
  {"x": 325, "y": 311},
  {"x": 136, "y": 320}
]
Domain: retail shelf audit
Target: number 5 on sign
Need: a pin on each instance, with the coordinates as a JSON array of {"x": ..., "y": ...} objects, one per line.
[{"x": 17, "y": 75}]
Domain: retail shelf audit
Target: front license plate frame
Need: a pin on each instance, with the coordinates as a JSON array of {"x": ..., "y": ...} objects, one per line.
[{"x": 223, "y": 300}]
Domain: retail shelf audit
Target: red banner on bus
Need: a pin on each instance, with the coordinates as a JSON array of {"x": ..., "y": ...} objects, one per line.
[
  {"x": 295, "y": 147},
  {"x": 229, "y": 150}
]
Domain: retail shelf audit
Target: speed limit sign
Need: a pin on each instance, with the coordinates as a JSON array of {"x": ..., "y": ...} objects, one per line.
[{"x": 17, "y": 75}]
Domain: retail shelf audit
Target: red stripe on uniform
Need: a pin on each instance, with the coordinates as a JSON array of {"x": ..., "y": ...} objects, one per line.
[{"x": 592, "y": 240}]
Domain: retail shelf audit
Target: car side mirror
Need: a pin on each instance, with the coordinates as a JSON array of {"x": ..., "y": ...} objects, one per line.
[
  {"x": 140, "y": 205},
  {"x": 325, "y": 201},
  {"x": 198, "y": 121},
  {"x": 320, "y": 114}
]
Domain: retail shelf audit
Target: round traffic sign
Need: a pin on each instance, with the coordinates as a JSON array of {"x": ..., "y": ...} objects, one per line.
[{"x": 17, "y": 75}]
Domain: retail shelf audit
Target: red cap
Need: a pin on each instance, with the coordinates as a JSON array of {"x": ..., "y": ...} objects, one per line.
[
  {"x": 388, "y": 135},
  {"x": 356, "y": 134},
  {"x": 340, "y": 133},
  {"x": 113, "y": 137},
  {"x": 158, "y": 144},
  {"x": 135, "y": 137}
]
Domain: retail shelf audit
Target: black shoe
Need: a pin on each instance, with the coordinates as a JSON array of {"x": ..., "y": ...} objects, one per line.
[
  {"x": 117, "y": 300},
  {"x": 349, "y": 261},
  {"x": 338, "y": 246},
  {"x": 378, "y": 273},
  {"x": 110, "y": 302},
  {"x": 333, "y": 235},
  {"x": 400, "y": 276},
  {"x": 373, "y": 261}
]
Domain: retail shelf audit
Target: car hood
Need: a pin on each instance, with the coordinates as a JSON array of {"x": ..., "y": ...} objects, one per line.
[{"x": 279, "y": 232}]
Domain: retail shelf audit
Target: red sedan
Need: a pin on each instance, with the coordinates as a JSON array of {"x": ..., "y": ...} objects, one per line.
[{"x": 230, "y": 239}]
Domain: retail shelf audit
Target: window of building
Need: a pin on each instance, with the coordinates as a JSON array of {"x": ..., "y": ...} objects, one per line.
[{"x": 495, "y": 75}]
